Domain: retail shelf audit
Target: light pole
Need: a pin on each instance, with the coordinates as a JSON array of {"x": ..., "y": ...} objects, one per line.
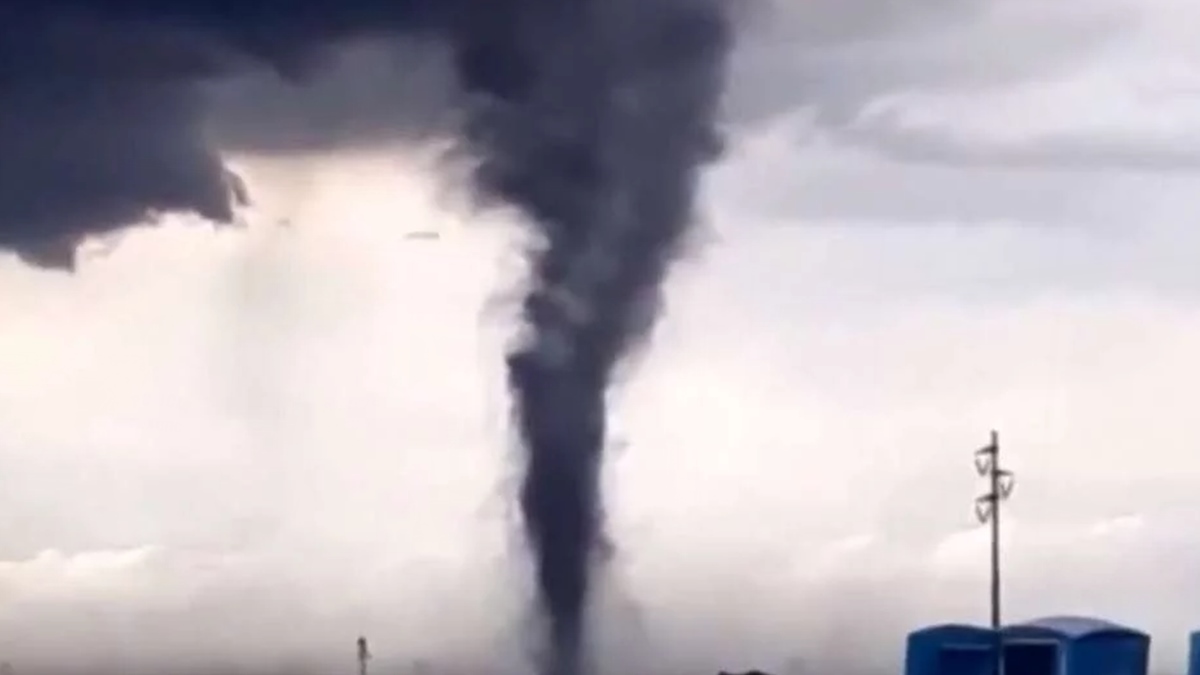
[{"x": 987, "y": 510}]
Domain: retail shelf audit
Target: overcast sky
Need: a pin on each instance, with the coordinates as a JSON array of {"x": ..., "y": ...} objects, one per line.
[{"x": 935, "y": 219}]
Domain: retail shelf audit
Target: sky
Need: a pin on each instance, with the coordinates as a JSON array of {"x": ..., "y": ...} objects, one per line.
[{"x": 253, "y": 444}]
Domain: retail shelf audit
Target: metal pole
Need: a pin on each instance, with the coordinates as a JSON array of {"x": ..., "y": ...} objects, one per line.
[
  {"x": 995, "y": 494},
  {"x": 987, "y": 509}
]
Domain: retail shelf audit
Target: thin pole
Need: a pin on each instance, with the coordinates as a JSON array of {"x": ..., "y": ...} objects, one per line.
[
  {"x": 994, "y": 475},
  {"x": 987, "y": 509}
]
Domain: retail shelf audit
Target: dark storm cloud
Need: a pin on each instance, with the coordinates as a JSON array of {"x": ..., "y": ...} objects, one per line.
[
  {"x": 103, "y": 122},
  {"x": 84, "y": 156},
  {"x": 372, "y": 91}
]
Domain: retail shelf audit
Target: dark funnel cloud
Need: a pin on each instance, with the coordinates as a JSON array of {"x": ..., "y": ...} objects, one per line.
[
  {"x": 599, "y": 138},
  {"x": 593, "y": 117}
]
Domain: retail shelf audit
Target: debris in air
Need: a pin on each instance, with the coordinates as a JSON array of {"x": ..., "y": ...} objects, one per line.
[{"x": 423, "y": 235}]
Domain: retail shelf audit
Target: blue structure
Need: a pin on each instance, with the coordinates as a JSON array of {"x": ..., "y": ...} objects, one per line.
[
  {"x": 1194, "y": 653},
  {"x": 951, "y": 649},
  {"x": 1073, "y": 645}
]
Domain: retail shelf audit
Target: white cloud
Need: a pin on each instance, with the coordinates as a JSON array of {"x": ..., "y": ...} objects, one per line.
[{"x": 1097, "y": 85}]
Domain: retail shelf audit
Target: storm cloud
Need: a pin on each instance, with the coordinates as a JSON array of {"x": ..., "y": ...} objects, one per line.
[{"x": 107, "y": 117}]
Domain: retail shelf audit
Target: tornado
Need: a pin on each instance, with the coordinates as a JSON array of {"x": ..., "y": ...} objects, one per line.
[{"x": 600, "y": 138}]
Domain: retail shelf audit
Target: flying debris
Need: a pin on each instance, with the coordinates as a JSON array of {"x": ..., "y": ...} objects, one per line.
[{"x": 423, "y": 235}]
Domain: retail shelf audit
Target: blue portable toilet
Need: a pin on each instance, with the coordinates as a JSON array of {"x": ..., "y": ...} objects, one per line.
[
  {"x": 1074, "y": 645},
  {"x": 1194, "y": 653},
  {"x": 951, "y": 649}
]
